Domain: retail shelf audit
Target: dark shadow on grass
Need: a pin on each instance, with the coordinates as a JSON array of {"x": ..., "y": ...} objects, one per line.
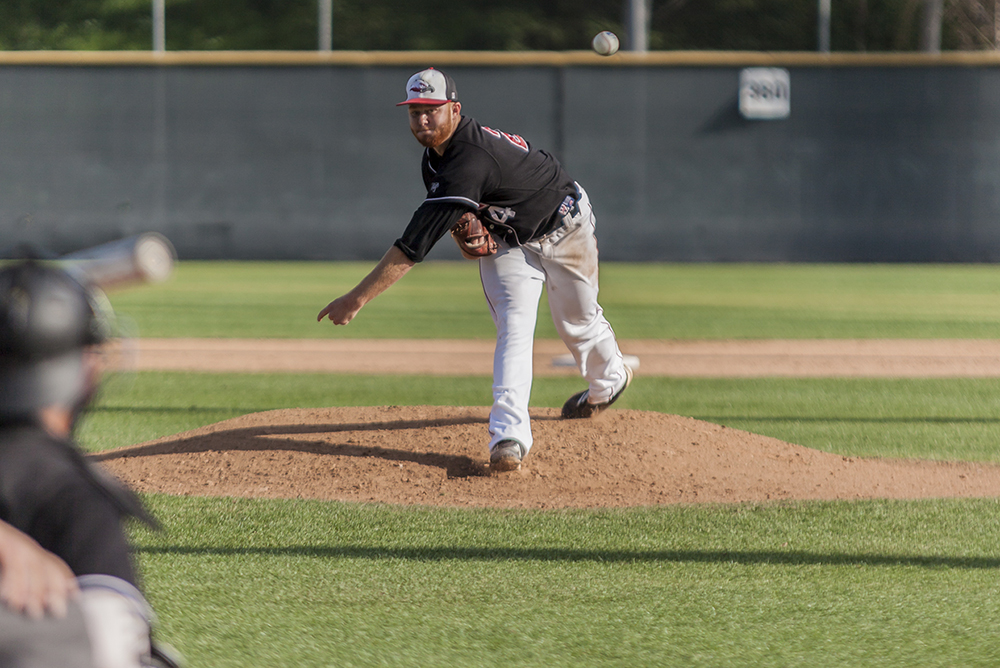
[
  {"x": 270, "y": 438},
  {"x": 176, "y": 409},
  {"x": 742, "y": 557},
  {"x": 721, "y": 419}
]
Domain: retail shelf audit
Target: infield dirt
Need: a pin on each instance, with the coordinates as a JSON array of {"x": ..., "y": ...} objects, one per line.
[{"x": 436, "y": 455}]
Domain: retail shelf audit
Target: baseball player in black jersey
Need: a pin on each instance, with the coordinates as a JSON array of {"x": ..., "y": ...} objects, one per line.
[
  {"x": 543, "y": 224},
  {"x": 41, "y": 622},
  {"x": 49, "y": 370}
]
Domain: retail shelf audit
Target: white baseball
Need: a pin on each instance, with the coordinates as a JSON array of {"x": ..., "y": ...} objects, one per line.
[{"x": 605, "y": 43}]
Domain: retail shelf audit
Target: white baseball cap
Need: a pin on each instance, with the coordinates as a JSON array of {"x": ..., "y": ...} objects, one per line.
[{"x": 430, "y": 86}]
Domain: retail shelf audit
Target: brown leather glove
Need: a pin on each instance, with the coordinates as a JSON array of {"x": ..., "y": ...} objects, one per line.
[{"x": 472, "y": 237}]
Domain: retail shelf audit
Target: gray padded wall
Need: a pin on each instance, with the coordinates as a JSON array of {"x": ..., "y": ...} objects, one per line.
[
  {"x": 310, "y": 162},
  {"x": 874, "y": 164}
]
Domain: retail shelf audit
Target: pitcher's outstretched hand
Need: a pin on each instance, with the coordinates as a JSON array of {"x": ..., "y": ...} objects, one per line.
[{"x": 340, "y": 311}]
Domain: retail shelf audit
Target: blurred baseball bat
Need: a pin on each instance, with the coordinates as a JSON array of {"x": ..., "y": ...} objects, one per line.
[{"x": 144, "y": 258}]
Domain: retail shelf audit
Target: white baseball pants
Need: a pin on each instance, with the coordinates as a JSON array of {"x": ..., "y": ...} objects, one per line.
[
  {"x": 565, "y": 262},
  {"x": 118, "y": 622}
]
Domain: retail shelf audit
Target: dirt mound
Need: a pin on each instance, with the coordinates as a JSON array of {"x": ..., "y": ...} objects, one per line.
[{"x": 436, "y": 455}]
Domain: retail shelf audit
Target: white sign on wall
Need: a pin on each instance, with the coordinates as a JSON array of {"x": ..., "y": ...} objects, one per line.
[{"x": 765, "y": 93}]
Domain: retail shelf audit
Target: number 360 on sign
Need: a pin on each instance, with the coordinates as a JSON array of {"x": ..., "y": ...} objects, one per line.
[{"x": 765, "y": 93}]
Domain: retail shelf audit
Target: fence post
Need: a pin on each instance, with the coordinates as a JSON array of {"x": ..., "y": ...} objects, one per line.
[
  {"x": 159, "y": 26},
  {"x": 325, "y": 25}
]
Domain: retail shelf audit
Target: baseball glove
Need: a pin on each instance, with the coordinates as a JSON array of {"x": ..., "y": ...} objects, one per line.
[{"x": 473, "y": 239}]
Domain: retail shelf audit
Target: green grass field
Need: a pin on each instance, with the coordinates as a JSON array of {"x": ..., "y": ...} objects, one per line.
[
  {"x": 305, "y": 583},
  {"x": 655, "y": 301}
]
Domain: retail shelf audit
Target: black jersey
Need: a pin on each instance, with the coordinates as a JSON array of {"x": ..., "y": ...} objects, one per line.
[
  {"x": 50, "y": 492},
  {"x": 517, "y": 188}
]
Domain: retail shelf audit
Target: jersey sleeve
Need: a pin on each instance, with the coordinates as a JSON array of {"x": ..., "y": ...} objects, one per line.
[{"x": 431, "y": 221}]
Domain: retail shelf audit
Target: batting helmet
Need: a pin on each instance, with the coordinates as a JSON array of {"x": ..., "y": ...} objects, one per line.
[{"x": 47, "y": 319}]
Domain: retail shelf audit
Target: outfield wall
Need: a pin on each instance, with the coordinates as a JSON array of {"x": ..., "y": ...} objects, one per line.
[{"x": 305, "y": 156}]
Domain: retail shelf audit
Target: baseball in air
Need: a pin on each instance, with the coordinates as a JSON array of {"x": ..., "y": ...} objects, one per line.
[{"x": 605, "y": 43}]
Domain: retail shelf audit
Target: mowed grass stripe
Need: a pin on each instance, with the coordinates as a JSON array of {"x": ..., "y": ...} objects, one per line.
[{"x": 642, "y": 301}]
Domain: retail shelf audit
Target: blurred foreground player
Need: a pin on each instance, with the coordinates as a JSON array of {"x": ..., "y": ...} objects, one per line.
[
  {"x": 49, "y": 372},
  {"x": 41, "y": 623}
]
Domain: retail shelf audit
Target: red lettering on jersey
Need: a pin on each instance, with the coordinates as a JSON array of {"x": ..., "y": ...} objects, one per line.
[
  {"x": 516, "y": 141},
  {"x": 513, "y": 139}
]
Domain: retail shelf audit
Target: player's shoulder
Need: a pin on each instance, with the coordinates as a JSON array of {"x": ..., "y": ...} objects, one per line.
[
  {"x": 24, "y": 444},
  {"x": 488, "y": 138},
  {"x": 35, "y": 467},
  {"x": 467, "y": 150},
  {"x": 468, "y": 135}
]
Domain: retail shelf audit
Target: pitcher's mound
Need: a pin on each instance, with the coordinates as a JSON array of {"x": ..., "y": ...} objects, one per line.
[{"x": 436, "y": 455}]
